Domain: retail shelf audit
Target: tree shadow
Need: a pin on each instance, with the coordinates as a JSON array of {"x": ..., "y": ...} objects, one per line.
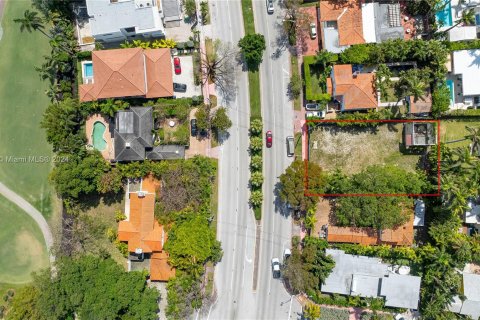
[
  {"x": 280, "y": 206},
  {"x": 90, "y": 201}
]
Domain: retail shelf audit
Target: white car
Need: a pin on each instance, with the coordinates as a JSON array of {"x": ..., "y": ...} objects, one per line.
[
  {"x": 315, "y": 114},
  {"x": 276, "y": 267},
  {"x": 269, "y": 6},
  {"x": 313, "y": 30},
  {"x": 312, "y": 106},
  {"x": 286, "y": 253}
]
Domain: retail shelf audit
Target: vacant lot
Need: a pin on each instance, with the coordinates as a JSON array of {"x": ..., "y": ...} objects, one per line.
[
  {"x": 22, "y": 102},
  {"x": 354, "y": 148},
  {"x": 452, "y": 130},
  {"x": 22, "y": 245}
]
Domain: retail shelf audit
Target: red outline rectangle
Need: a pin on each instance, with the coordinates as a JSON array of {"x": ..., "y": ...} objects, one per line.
[{"x": 373, "y": 194}]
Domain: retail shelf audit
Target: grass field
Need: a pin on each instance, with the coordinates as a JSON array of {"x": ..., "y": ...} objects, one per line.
[
  {"x": 294, "y": 66},
  {"x": 22, "y": 245},
  {"x": 22, "y": 102},
  {"x": 451, "y": 130},
  {"x": 353, "y": 149}
]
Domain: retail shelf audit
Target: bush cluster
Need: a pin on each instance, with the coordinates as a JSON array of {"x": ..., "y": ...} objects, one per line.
[
  {"x": 324, "y": 97},
  {"x": 256, "y": 177}
]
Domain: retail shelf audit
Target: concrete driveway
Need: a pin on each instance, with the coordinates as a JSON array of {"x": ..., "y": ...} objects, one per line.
[{"x": 186, "y": 77}]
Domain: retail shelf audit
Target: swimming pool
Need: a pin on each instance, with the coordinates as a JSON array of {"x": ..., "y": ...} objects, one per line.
[
  {"x": 98, "y": 141},
  {"x": 452, "y": 93},
  {"x": 445, "y": 15},
  {"x": 87, "y": 70}
]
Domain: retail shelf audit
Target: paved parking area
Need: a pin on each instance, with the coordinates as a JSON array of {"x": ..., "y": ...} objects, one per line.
[
  {"x": 186, "y": 77},
  {"x": 180, "y": 33},
  {"x": 307, "y": 45}
]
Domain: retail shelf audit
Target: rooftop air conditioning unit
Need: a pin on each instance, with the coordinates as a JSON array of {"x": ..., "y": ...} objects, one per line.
[
  {"x": 141, "y": 194},
  {"x": 127, "y": 144},
  {"x": 138, "y": 251},
  {"x": 148, "y": 4}
]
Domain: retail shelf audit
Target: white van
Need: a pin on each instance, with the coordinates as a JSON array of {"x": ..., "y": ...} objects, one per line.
[{"x": 290, "y": 146}]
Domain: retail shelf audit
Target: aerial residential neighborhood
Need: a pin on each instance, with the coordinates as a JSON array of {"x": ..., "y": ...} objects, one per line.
[{"x": 240, "y": 159}]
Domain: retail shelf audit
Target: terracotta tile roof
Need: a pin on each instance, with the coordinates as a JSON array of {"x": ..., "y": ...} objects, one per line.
[
  {"x": 358, "y": 92},
  {"x": 422, "y": 105},
  {"x": 348, "y": 15},
  {"x": 160, "y": 270},
  {"x": 128, "y": 73},
  {"x": 401, "y": 236}
]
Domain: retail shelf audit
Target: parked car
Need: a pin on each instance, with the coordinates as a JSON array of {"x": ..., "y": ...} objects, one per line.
[
  {"x": 193, "y": 127},
  {"x": 276, "y": 267},
  {"x": 290, "y": 147},
  {"x": 312, "y": 106},
  {"x": 315, "y": 114},
  {"x": 269, "y": 6},
  {"x": 286, "y": 253},
  {"x": 313, "y": 30},
  {"x": 269, "y": 139},
  {"x": 177, "y": 66},
  {"x": 179, "y": 87}
]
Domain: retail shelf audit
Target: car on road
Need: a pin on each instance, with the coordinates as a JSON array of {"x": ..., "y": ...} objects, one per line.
[
  {"x": 179, "y": 87},
  {"x": 286, "y": 253},
  {"x": 276, "y": 268},
  {"x": 312, "y": 107},
  {"x": 313, "y": 30},
  {"x": 315, "y": 114},
  {"x": 269, "y": 6},
  {"x": 290, "y": 147},
  {"x": 269, "y": 139},
  {"x": 193, "y": 127},
  {"x": 177, "y": 66}
]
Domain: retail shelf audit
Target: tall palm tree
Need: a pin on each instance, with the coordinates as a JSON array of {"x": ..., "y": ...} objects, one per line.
[
  {"x": 31, "y": 22},
  {"x": 468, "y": 18}
]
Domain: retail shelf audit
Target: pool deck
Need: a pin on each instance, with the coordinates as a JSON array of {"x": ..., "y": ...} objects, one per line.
[{"x": 108, "y": 153}]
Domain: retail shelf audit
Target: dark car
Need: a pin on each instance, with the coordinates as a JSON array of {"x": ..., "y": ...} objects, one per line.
[
  {"x": 177, "y": 66},
  {"x": 193, "y": 127},
  {"x": 269, "y": 139},
  {"x": 179, "y": 87}
]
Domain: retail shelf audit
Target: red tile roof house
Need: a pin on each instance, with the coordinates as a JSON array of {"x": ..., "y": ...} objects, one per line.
[
  {"x": 132, "y": 72},
  {"x": 350, "y": 22},
  {"x": 352, "y": 91}
]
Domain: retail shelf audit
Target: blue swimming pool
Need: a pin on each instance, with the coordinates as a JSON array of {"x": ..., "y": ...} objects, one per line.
[
  {"x": 444, "y": 16},
  {"x": 452, "y": 93},
  {"x": 88, "y": 70}
]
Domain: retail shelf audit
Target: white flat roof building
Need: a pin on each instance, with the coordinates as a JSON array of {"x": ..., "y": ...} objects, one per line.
[
  {"x": 462, "y": 33},
  {"x": 466, "y": 63},
  {"x": 368, "y": 22}
]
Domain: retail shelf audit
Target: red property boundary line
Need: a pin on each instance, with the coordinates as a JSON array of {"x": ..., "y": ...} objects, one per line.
[{"x": 309, "y": 194}]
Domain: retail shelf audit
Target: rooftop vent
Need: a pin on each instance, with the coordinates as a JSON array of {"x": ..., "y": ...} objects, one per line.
[
  {"x": 127, "y": 145},
  {"x": 141, "y": 194},
  {"x": 138, "y": 251}
]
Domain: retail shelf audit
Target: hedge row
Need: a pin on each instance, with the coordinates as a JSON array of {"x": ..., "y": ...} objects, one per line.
[{"x": 256, "y": 166}]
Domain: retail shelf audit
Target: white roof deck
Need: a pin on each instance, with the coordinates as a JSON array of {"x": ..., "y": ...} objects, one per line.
[{"x": 467, "y": 64}]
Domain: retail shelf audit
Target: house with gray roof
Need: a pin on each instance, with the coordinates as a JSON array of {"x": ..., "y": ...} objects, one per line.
[
  {"x": 470, "y": 306},
  {"x": 370, "y": 277},
  {"x": 119, "y": 20},
  {"x": 133, "y": 137}
]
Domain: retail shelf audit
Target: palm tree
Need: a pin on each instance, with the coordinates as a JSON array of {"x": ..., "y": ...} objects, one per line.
[
  {"x": 323, "y": 57},
  {"x": 468, "y": 18},
  {"x": 31, "y": 22},
  {"x": 474, "y": 136}
]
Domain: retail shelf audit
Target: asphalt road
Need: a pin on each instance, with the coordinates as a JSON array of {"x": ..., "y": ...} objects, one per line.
[
  {"x": 236, "y": 223},
  {"x": 277, "y": 112}
]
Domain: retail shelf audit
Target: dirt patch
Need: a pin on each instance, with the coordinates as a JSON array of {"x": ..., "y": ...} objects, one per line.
[{"x": 354, "y": 148}]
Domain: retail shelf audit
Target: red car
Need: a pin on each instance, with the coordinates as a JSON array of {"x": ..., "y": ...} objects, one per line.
[
  {"x": 269, "y": 139},
  {"x": 177, "y": 66}
]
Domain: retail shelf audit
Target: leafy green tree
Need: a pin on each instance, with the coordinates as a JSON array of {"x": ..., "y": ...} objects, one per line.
[
  {"x": 256, "y": 144},
  {"x": 256, "y": 127},
  {"x": 378, "y": 212},
  {"x": 256, "y": 198},
  {"x": 62, "y": 122},
  {"x": 412, "y": 82},
  {"x": 190, "y": 8},
  {"x": 220, "y": 120},
  {"x": 383, "y": 80},
  {"x": 292, "y": 185},
  {"x": 252, "y": 47},
  {"x": 24, "y": 304},
  {"x": 357, "y": 54},
  {"x": 192, "y": 243},
  {"x": 256, "y": 162},
  {"x": 310, "y": 219},
  {"x": 324, "y": 58},
  {"x": 311, "y": 311},
  {"x": 183, "y": 296},
  {"x": 90, "y": 288},
  {"x": 295, "y": 86},
  {"x": 256, "y": 179},
  {"x": 79, "y": 176},
  {"x": 440, "y": 100},
  {"x": 203, "y": 117}
]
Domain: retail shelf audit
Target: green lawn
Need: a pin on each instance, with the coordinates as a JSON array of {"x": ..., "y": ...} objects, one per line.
[
  {"x": 22, "y": 245},
  {"x": 294, "y": 66},
  {"x": 22, "y": 102},
  {"x": 315, "y": 78},
  {"x": 254, "y": 86},
  {"x": 247, "y": 12},
  {"x": 353, "y": 149},
  {"x": 451, "y": 130}
]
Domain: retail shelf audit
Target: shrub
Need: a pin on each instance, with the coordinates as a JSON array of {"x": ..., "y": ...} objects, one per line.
[
  {"x": 307, "y": 69},
  {"x": 256, "y": 145},
  {"x": 357, "y": 54},
  {"x": 462, "y": 113},
  {"x": 119, "y": 216},
  {"x": 333, "y": 314},
  {"x": 84, "y": 55},
  {"x": 256, "y": 127},
  {"x": 463, "y": 45}
]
